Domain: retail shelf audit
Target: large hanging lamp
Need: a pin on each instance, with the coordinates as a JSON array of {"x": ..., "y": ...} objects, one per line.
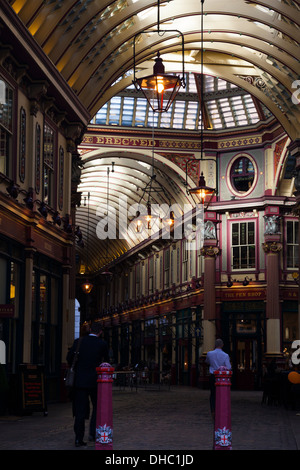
[
  {"x": 107, "y": 274},
  {"x": 202, "y": 190},
  {"x": 159, "y": 88},
  {"x": 87, "y": 286}
]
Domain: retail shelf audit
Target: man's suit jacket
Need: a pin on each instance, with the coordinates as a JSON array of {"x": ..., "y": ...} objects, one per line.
[{"x": 92, "y": 352}]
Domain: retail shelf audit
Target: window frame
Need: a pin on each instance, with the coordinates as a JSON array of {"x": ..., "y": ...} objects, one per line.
[
  {"x": 248, "y": 267},
  {"x": 231, "y": 164},
  {"x": 294, "y": 244}
]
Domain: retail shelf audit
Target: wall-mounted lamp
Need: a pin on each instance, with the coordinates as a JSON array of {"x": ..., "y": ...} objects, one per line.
[
  {"x": 246, "y": 281},
  {"x": 56, "y": 218},
  {"x": 78, "y": 234},
  {"x": 28, "y": 199},
  {"x": 67, "y": 225},
  {"x": 12, "y": 190},
  {"x": 229, "y": 282},
  {"x": 43, "y": 210}
]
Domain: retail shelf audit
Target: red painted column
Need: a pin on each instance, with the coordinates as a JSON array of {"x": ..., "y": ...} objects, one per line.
[
  {"x": 223, "y": 434},
  {"x": 104, "y": 416}
]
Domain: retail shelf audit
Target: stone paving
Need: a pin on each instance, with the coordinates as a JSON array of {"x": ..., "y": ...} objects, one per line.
[{"x": 161, "y": 420}]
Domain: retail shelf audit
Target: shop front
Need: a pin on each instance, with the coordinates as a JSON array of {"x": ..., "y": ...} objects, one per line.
[{"x": 244, "y": 338}]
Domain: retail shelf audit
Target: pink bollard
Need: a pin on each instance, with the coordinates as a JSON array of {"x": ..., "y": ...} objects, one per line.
[
  {"x": 104, "y": 416},
  {"x": 223, "y": 434}
]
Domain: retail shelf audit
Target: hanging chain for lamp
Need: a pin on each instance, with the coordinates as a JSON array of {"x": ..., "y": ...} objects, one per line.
[
  {"x": 165, "y": 86},
  {"x": 153, "y": 186},
  {"x": 108, "y": 274},
  {"x": 87, "y": 286},
  {"x": 202, "y": 190}
]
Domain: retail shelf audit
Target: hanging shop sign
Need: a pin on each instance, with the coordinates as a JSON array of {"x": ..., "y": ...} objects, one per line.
[{"x": 238, "y": 294}]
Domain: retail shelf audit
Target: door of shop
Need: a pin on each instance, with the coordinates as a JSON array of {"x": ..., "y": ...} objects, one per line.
[
  {"x": 246, "y": 363},
  {"x": 243, "y": 329}
]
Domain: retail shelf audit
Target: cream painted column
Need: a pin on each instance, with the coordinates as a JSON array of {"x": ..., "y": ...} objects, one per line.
[
  {"x": 28, "y": 305},
  {"x": 272, "y": 248},
  {"x": 67, "y": 315},
  {"x": 210, "y": 252}
]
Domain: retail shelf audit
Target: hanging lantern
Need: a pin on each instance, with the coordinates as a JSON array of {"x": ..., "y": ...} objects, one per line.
[
  {"x": 159, "y": 89},
  {"x": 202, "y": 190},
  {"x": 87, "y": 287}
]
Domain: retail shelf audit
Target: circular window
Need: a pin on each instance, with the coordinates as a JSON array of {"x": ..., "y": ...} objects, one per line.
[{"x": 242, "y": 175}]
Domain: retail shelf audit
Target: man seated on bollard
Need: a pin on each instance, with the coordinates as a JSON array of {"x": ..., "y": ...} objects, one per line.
[
  {"x": 92, "y": 352},
  {"x": 216, "y": 359}
]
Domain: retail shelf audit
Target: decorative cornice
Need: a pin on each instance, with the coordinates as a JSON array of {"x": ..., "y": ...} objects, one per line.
[
  {"x": 272, "y": 247},
  {"x": 210, "y": 251}
]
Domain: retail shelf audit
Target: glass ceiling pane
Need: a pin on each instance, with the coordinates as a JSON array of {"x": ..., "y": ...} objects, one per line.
[{"x": 223, "y": 111}]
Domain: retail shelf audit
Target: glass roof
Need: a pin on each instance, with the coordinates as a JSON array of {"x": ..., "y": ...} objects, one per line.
[{"x": 225, "y": 106}]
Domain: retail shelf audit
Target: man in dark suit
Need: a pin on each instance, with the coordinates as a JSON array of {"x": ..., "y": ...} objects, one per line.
[{"x": 92, "y": 352}]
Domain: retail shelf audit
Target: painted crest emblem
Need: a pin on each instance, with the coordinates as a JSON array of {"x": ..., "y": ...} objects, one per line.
[
  {"x": 223, "y": 437},
  {"x": 104, "y": 434}
]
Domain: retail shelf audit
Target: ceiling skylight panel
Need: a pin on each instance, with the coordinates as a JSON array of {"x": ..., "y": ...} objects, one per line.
[
  {"x": 101, "y": 115},
  {"x": 191, "y": 115},
  {"x": 179, "y": 113},
  {"x": 214, "y": 114},
  {"x": 128, "y": 109},
  {"x": 221, "y": 84},
  {"x": 166, "y": 118},
  {"x": 140, "y": 113},
  {"x": 191, "y": 83},
  {"x": 114, "y": 111},
  {"x": 251, "y": 109},
  {"x": 209, "y": 84}
]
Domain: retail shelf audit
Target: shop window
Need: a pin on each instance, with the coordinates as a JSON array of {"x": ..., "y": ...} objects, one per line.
[
  {"x": 167, "y": 268},
  {"x": 22, "y": 145},
  {"x": 61, "y": 178},
  {"x": 37, "y": 158},
  {"x": 292, "y": 246},
  {"x": 6, "y": 126},
  {"x": 185, "y": 259},
  {"x": 243, "y": 245},
  {"x": 138, "y": 280},
  {"x": 3, "y": 269},
  {"x": 290, "y": 325},
  {"x": 151, "y": 275},
  {"x": 150, "y": 327},
  {"x": 48, "y": 166}
]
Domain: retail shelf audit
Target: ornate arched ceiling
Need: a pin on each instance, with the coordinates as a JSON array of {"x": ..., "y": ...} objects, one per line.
[
  {"x": 254, "y": 45},
  {"x": 91, "y": 44},
  {"x": 115, "y": 181}
]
